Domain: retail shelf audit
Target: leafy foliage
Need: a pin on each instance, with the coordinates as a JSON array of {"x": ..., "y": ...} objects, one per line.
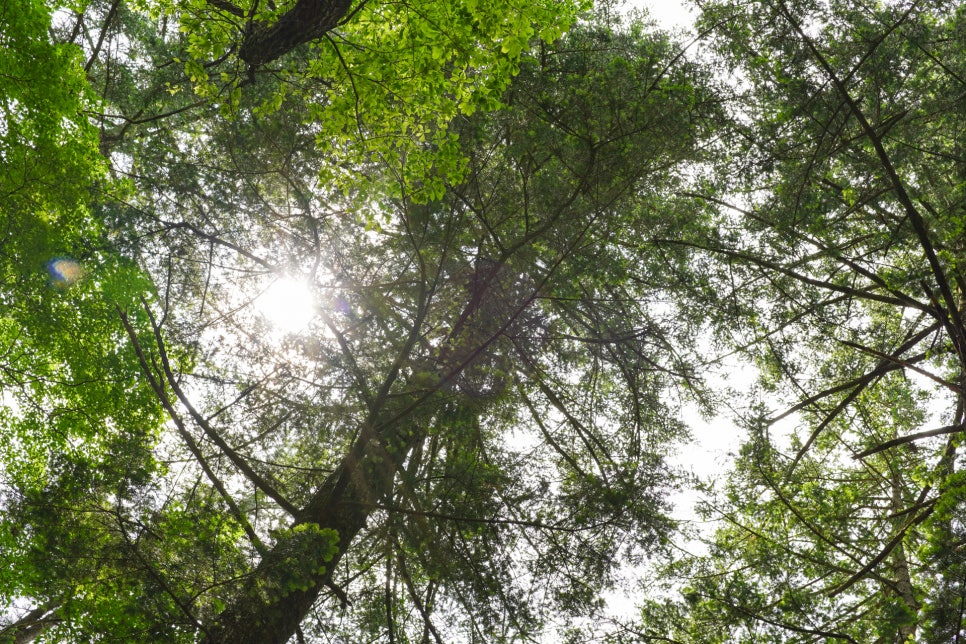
[
  {"x": 850, "y": 288},
  {"x": 449, "y": 245},
  {"x": 78, "y": 424},
  {"x": 524, "y": 230}
]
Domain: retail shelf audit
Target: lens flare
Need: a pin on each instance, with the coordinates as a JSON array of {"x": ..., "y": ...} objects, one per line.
[{"x": 64, "y": 271}]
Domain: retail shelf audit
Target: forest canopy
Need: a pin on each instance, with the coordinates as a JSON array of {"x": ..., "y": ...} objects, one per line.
[{"x": 335, "y": 321}]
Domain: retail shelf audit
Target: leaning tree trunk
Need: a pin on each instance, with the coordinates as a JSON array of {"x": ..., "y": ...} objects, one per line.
[
  {"x": 308, "y": 20},
  {"x": 268, "y": 612},
  {"x": 32, "y": 625}
]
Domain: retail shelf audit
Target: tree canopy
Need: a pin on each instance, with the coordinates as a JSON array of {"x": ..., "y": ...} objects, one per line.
[
  {"x": 522, "y": 235},
  {"x": 843, "y": 257}
]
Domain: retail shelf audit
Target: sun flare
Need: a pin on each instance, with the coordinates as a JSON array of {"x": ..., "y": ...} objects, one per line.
[{"x": 287, "y": 304}]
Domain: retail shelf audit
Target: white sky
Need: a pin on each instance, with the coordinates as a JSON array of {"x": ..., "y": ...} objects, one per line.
[{"x": 670, "y": 14}]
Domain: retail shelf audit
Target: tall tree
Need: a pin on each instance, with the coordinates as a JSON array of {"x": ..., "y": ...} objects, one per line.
[
  {"x": 468, "y": 438},
  {"x": 66, "y": 375},
  {"x": 842, "y": 238}
]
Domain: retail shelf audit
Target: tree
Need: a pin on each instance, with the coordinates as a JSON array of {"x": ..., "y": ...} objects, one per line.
[
  {"x": 478, "y": 276},
  {"x": 65, "y": 373},
  {"x": 376, "y": 80},
  {"x": 844, "y": 282}
]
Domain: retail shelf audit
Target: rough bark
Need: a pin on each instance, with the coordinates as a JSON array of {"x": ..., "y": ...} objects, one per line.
[{"x": 308, "y": 20}]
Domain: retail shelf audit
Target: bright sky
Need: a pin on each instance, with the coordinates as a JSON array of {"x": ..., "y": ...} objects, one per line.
[
  {"x": 288, "y": 304},
  {"x": 670, "y": 14}
]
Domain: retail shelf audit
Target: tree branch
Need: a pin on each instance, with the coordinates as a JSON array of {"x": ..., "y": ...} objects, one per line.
[
  {"x": 149, "y": 370},
  {"x": 260, "y": 482},
  {"x": 909, "y": 438}
]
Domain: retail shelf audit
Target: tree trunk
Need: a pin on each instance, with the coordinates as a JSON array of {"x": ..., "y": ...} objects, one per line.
[
  {"x": 345, "y": 500},
  {"x": 900, "y": 564},
  {"x": 32, "y": 625},
  {"x": 343, "y": 503},
  {"x": 308, "y": 20}
]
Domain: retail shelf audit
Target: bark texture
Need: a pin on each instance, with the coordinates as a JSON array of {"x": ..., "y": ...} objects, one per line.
[{"x": 308, "y": 20}]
